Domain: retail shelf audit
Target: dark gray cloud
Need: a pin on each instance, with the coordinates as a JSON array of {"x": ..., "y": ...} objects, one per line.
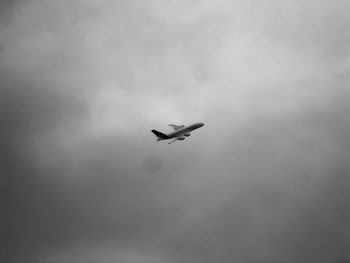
[{"x": 266, "y": 179}]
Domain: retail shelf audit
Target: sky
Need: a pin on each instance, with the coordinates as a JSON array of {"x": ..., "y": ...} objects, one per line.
[{"x": 265, "y": 180}]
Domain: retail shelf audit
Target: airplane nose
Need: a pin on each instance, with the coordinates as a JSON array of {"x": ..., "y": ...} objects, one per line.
[{"x": 201, "y": 124}]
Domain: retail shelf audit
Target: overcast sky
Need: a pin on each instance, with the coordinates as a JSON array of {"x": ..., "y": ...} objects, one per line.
[{"x": 265, "y": 180}]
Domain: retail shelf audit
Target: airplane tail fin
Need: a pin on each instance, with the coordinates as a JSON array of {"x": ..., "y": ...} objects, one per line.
[{"x": 160, "y": 136}]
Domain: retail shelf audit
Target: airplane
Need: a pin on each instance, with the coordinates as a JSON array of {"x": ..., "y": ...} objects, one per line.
[{"x": 180, "y": 132}]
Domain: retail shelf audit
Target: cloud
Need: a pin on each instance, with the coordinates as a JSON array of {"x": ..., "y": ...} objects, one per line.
[{"x": 83, "y": 83}]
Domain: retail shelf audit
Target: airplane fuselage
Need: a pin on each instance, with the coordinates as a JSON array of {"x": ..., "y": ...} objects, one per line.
[{"x": 186, "y": 130}]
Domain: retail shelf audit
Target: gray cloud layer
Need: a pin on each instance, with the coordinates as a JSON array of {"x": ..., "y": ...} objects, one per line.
[{"x": 267, "y": 178}]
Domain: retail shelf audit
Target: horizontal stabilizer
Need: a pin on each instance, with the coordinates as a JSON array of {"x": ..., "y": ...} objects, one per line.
[{"x": 160, "y": 135}]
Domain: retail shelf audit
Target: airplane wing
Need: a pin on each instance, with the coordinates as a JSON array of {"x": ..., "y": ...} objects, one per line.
[
  {"x": 181, "y": 138},
  {"x": 176, "y": 127}
]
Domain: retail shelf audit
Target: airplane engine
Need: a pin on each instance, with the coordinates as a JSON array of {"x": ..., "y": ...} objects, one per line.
[
  {"x": 182, "y": 138},
  {"x": 187, "y": 135}
]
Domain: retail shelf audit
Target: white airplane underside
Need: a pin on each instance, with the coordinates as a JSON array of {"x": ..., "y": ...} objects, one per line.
[{"x": 180, "y": 132}]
